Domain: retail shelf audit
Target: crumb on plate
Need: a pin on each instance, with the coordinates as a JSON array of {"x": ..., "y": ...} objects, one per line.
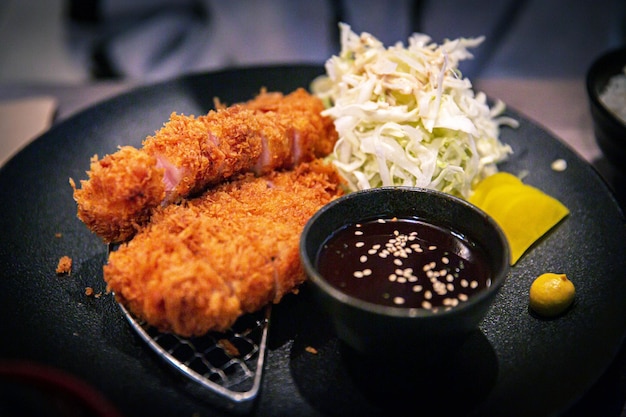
[
  {"x": 559, "y": 165},
  {"x": 90, "y": 292},
  {"x": 64, "y": 267},
  {"x": 228, "y": 347}
]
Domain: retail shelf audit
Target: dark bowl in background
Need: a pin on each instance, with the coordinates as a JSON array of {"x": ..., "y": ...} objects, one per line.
[
  {"x": 609, "y": 129},
  {"x": 373, "y": 329}
]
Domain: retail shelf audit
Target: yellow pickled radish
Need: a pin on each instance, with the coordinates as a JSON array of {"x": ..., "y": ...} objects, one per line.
[
  {"x": 497, "y": 180},
  {"x": 524, "y": 213}
]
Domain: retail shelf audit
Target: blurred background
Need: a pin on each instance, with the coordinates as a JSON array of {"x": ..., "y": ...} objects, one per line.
[{"x": 78, "y": 41}]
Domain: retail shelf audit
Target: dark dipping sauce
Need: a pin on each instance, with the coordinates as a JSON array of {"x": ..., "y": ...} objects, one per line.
[{"x": 404, "y": 263}]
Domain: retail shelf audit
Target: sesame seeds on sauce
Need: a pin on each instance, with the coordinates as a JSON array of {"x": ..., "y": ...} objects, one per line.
[{"x": 404, "y": 263}]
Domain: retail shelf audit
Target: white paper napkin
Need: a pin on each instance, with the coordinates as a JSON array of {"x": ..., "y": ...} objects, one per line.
[{"x": 23, "y": 120}]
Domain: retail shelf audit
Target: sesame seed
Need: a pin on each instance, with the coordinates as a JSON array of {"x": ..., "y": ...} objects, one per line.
[
  {"x": 473, "y": 284},
  {"x": 393, "y": 277},
  {"x": 432, "y": 247},
  {"x": 428, "y": 295},
  {"x": 359, "y": 244},
  {"x": 450, "y": 302},
  {"x": 463, "y": 297},
  {"x": 358, "y": 233},
  {"x": 417, "y": 288},
  {"x": 445, "y": 260},
  {"x": 398, "y": 300},
  {"x": 358, "y": 274},
  {"x": 367, "y": 272},
  {"x": 397, "y": 262},
  {"x": 426, "y": 305},
  {"x": 363, "y": 259}
]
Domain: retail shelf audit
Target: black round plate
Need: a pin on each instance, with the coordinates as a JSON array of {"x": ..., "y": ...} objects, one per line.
[{"x": 517, "y": 364}]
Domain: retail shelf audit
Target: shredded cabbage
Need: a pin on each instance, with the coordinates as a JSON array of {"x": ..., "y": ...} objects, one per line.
[{"x": 406, "y": 116}]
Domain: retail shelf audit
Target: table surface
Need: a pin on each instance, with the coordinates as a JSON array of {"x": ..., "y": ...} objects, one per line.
[{"x": 558, "y": 105}]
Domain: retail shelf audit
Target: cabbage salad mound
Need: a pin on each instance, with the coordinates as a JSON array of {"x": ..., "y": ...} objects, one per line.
[{"x": 406, "y": 116}]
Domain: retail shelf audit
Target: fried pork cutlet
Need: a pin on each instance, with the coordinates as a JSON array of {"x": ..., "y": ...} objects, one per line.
[
  {"x": 185, "y": 156},
  {"x": 198, "y": 266},
  {"x": 189, "y": 154},
  {"x": 300, "y": 114}
]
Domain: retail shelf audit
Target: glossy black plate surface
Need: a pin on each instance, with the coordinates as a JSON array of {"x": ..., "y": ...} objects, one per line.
[{"x": 516, "y": 365}]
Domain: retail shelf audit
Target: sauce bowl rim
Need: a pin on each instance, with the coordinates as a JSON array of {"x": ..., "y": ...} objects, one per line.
[{"x": 318, "y": 280}]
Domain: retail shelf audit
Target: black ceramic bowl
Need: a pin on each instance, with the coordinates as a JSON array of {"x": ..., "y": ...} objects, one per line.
[
  {"x": 371, "y": 328},
  {"x": 609, "y": 130}
]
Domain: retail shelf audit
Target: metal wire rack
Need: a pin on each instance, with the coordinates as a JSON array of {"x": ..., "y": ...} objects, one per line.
[{"x": 223, "y": 368}]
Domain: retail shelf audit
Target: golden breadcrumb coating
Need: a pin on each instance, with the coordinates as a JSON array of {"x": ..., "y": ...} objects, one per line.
[
  {"x": 301, "y": 114},
  {"x": 207, "y": 149},
  {"x": 189, "y": 154},
  {"x": 122, "y": 191},
  {"x": 199, "y": 265}
]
